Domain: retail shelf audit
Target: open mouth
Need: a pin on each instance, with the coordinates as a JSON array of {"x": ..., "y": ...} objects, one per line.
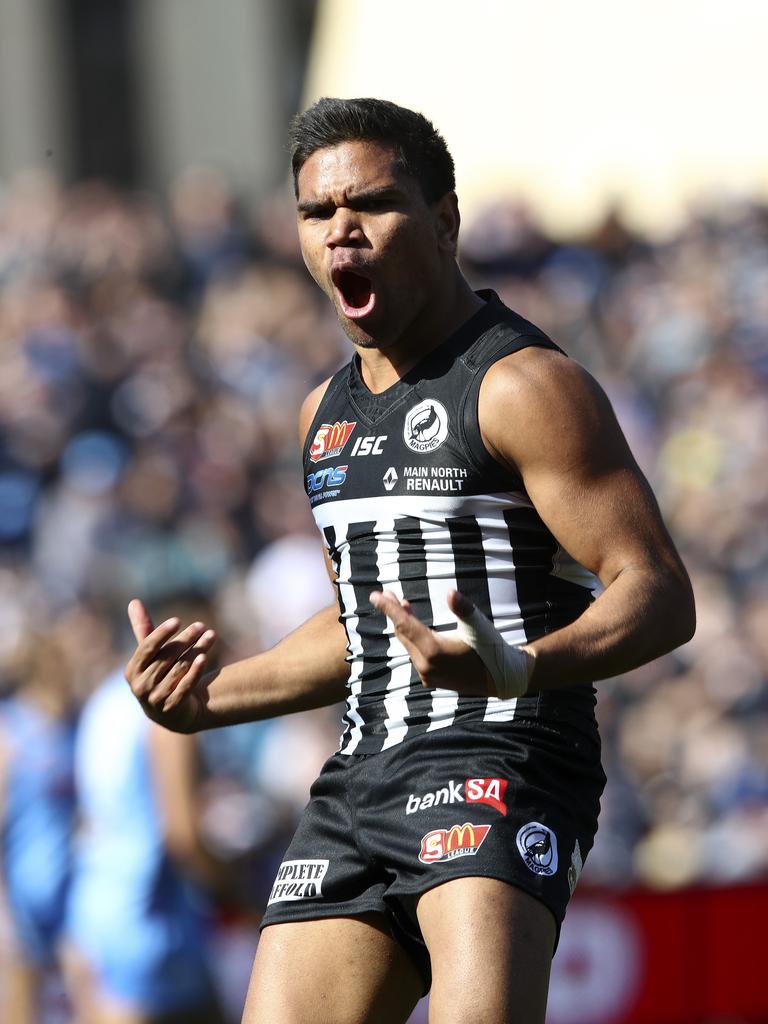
[{"x": 356, "y": 295}]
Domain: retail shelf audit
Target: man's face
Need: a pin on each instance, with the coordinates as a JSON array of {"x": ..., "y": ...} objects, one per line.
[{"x": 370, "y": 240}]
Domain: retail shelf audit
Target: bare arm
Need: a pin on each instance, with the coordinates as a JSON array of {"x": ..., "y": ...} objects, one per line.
[
  {"x": 174, "y": 767},
  {"x": 547, "y": 417},
  {"x": 307, "y": 669},
  {"x": 544, "y": 417}
]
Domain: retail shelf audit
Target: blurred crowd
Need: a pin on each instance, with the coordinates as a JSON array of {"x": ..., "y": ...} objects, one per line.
[
  {"x": 153, "y": 357},
  {"x": 677, "y": 333}
]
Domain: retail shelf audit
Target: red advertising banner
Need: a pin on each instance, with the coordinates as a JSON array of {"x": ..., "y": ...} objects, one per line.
[{"x": 663, "y": 958}]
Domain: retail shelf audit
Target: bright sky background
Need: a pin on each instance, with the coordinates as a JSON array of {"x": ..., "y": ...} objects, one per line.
[{"x": 568, "y": 102}]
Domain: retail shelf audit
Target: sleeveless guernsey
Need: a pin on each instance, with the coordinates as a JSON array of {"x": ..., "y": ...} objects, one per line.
[{"x": 408, "y": 499}]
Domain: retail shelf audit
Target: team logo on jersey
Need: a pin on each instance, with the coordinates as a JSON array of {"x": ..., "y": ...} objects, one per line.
[
  {"x": 448, "y": 843},
  {"x": 474, "y": 791},
  {"x": 330, "y": 440},
  {"x": 538, "y": 848},
  {"x": 426, "y": 426},
  {"x": 298, "y": 880},
  {"x": 368, "y": 445},
  {"x": 390, "y": 478}
]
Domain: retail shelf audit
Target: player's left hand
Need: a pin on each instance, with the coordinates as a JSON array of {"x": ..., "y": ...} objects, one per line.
[{"x": 440, "y": 660}]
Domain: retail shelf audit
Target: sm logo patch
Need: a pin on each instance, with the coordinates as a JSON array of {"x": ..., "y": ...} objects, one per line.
[
  {"x": 330, "y": 439},
  {"x": 448, "y": 843}
]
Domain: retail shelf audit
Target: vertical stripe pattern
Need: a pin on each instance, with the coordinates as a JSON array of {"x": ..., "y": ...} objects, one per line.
[
  {"x": 501, "y": 557},
  {"x": 412, "y": 559}
]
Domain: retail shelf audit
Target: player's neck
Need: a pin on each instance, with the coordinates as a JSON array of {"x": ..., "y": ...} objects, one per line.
[{"x": 382, "y": 367}]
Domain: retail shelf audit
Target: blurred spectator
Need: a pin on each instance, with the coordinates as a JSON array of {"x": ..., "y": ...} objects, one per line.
[
  {"x": 210, "y": 236},
  {"x": 36, "y": 819},
  {"x": 137, "y": 921}
]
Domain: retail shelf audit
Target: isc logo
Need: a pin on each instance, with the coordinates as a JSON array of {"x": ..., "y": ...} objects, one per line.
[
  {"x": 332, "y": 476},
  {"x": 368, "y": 445}
]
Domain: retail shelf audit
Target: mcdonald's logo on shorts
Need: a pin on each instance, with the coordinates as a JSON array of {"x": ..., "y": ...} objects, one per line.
[{"x": 447, "y": 843}]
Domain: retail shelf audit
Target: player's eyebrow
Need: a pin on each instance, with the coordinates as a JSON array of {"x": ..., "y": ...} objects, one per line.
[
  {"x": 380, "y": 192},
  {"x": 312, "y": 207}
]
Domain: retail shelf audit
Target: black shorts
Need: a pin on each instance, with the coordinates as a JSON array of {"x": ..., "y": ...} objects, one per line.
[{"x": 517, "y": 801}]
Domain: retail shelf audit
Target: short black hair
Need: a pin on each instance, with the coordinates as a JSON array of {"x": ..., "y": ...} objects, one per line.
[{"x": 419, "y": 149}]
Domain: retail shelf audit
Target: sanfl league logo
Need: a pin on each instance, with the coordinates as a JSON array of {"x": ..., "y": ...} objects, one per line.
[{"x": 330, "y": 440}]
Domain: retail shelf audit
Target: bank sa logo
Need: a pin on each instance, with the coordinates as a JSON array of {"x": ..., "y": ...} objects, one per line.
[
  {"x": 426, "y": 426},
  {"x": 474, "y": 791},
  {"x": 298, "y": 880},
  {"x": 538, "y": 848}
]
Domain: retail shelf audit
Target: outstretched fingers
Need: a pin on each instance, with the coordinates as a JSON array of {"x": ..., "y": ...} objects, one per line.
[
  {"x": 407, "y": 626},
  {"x": 441, "y": 661},
  {"x": 165, "y": 652},
  {"x": 141, "y": 623},
  {"x": 190, "y": 661},
  {"x": 148, "y": 648},
  {"x": 419, "y": 640},
  {"x": 187, "y": 683},
  {"x": 459, "y": 604},
  {"x": 176, "y": 659}
]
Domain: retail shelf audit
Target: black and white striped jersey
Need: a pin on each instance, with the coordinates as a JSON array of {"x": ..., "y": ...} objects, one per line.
[{"x": 408, "y": 499}]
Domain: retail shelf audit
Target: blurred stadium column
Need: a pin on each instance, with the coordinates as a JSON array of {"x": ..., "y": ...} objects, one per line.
[
  {"x": 215, "y": 83},
  {"x": 34, "y": 107}
]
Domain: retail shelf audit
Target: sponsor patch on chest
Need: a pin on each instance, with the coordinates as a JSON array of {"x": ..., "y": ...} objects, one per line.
[
  {"x": 448, "y": 479},
  {"x": 330, "y": 439}
]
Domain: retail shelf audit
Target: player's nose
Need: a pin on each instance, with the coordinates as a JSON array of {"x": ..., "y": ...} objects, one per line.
[{"x": 344, "y": 229}]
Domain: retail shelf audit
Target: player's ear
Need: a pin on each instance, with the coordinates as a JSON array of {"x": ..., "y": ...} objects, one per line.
[{"x": 447, "y": 222}]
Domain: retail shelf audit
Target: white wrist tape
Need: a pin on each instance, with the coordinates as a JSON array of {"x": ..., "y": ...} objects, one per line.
[{"x": 510, "y": 667}]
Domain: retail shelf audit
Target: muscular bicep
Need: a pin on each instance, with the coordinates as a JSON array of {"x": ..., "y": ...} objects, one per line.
[{"x": 545, "y": 416}]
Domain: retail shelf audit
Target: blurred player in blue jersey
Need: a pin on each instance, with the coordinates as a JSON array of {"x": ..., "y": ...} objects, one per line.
[
  {"x": 37, "y": 726},
  {"x": 139, "y": 914}
]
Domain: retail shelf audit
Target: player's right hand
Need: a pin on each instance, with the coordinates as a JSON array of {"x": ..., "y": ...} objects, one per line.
[{"x": 166, "y": 667}]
